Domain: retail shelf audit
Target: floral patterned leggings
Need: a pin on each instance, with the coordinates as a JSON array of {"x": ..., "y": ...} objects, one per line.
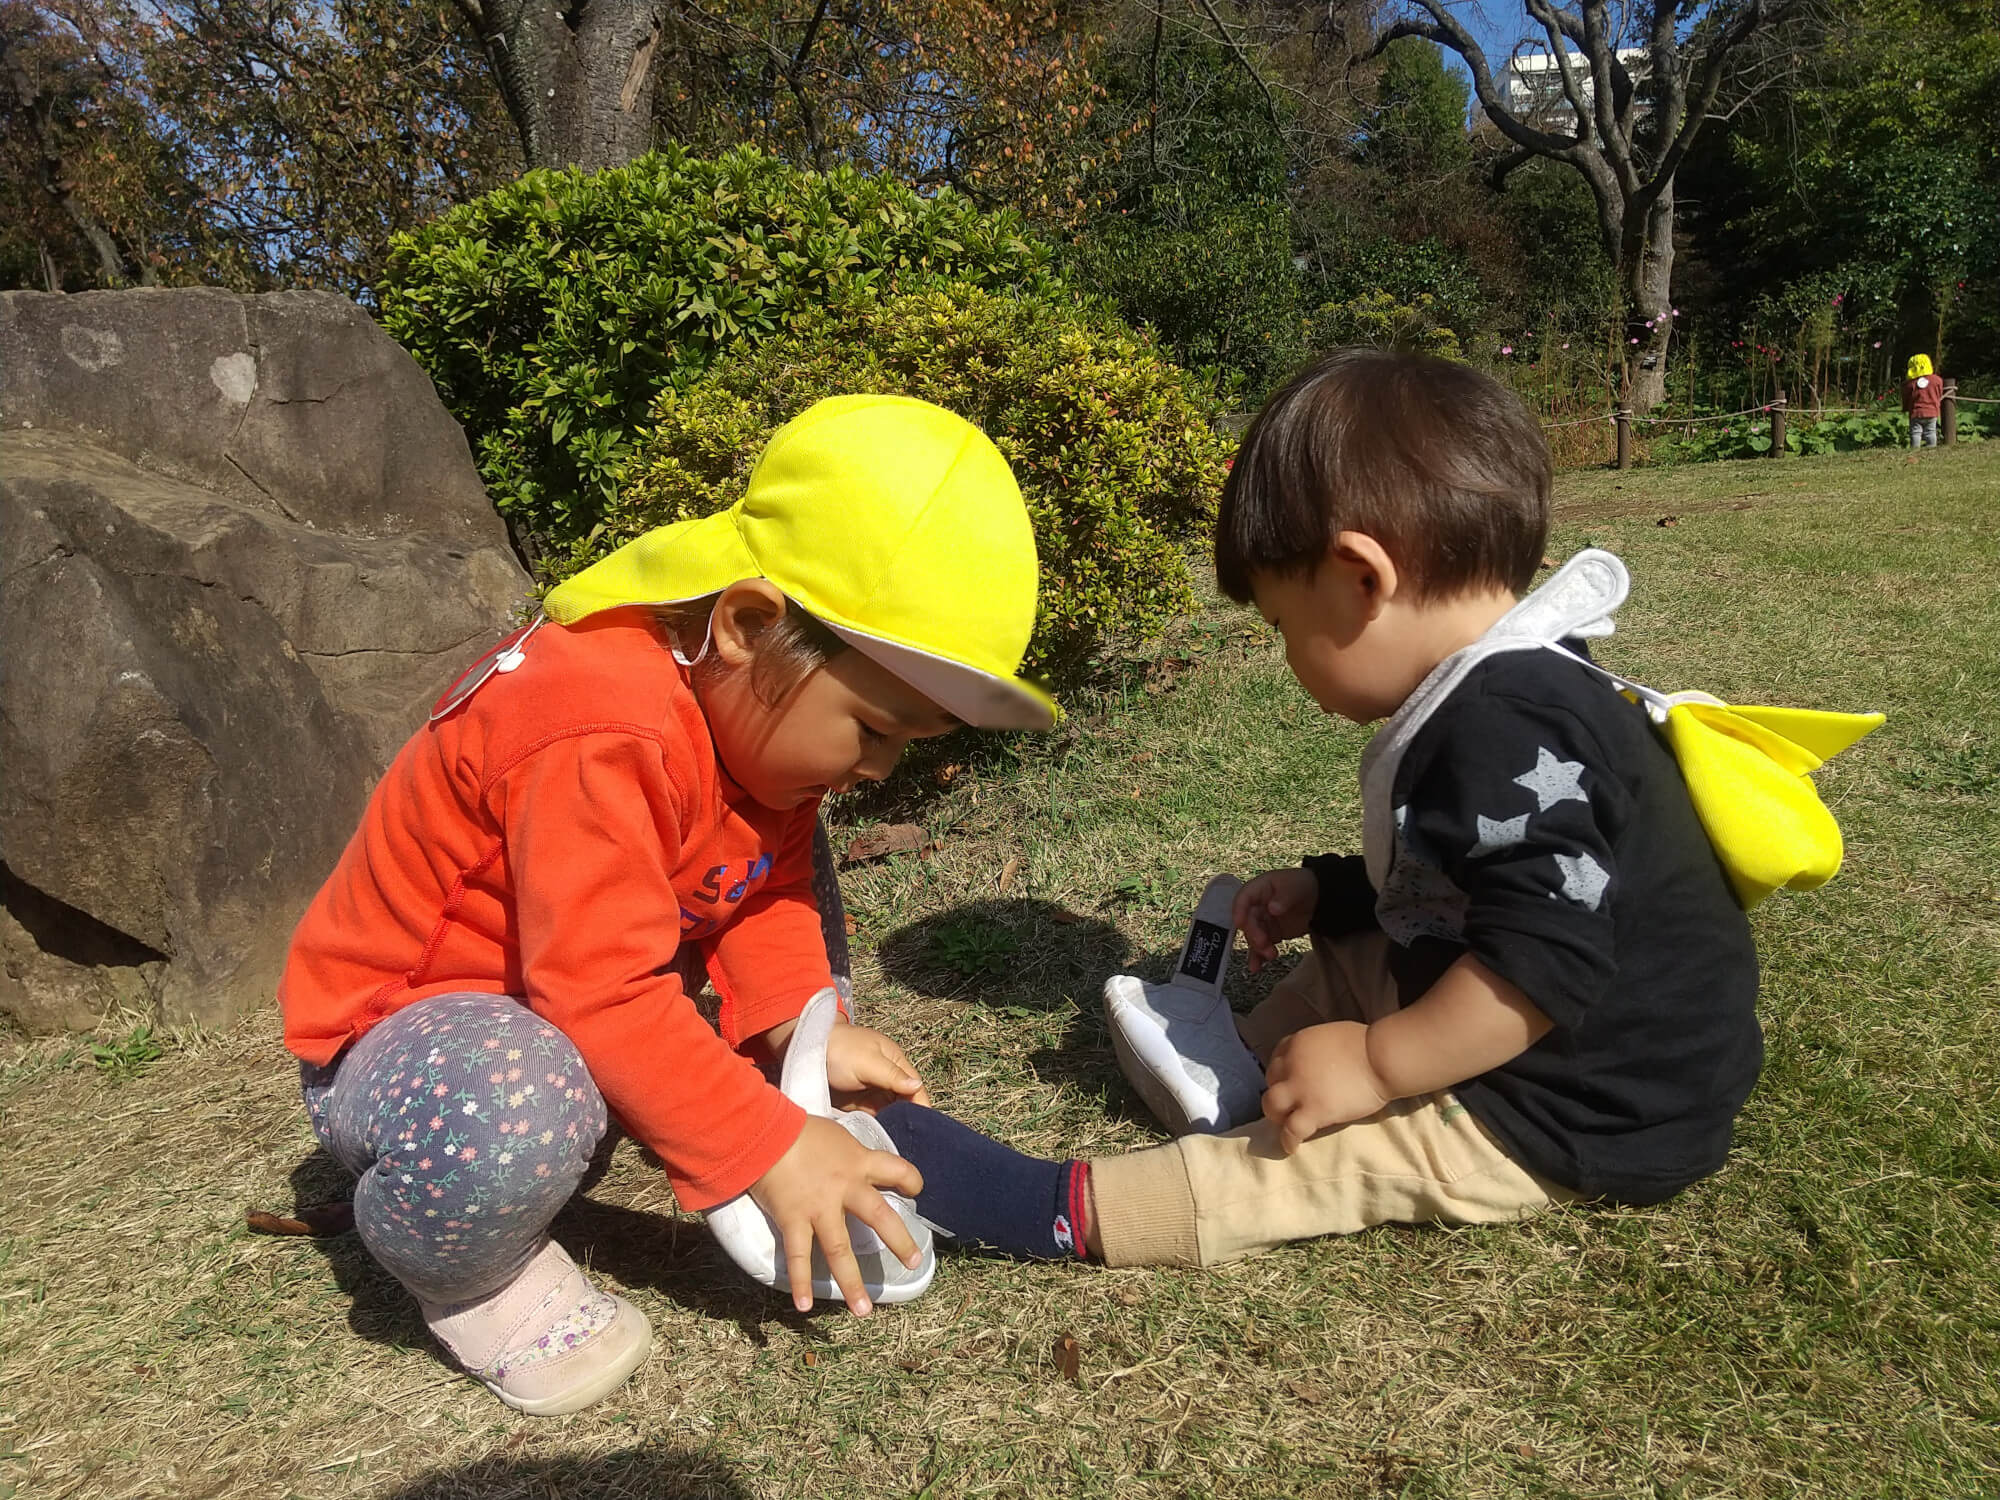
[{"x": 470, "y": 1120}]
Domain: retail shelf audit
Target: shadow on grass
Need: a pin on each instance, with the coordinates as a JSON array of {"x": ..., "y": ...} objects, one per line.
[
  {"x": 671, "y": 1255},
  {"x": 1005, "y": 952},
  {"x": 658, "y": 1471}
]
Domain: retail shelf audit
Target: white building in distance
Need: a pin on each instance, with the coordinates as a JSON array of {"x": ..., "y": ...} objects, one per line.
[{"x": 1531, "y": 84}]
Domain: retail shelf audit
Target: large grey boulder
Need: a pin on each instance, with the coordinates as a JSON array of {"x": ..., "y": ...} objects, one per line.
[{"x": 242, "y": 548}]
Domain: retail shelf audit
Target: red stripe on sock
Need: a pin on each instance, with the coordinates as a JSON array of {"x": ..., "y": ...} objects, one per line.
[{"x": 1079, "y": 1182}]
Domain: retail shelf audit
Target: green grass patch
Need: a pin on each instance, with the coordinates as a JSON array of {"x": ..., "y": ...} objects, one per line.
[{"x": 1820, "y": 1320}]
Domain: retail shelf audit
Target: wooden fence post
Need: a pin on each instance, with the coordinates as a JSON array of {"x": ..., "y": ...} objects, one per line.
[
  {"x": 1948, "y": 414},
  {"x": 1778, "y": 426},
  {"x": 1624, "y": 420}
]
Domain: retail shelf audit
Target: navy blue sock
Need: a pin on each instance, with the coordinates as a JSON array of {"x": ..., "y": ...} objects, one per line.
[{"x": 989, "y": 1194}]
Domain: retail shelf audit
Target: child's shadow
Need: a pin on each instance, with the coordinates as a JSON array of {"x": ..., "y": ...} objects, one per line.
[
  {"x": 656, "y": 1471},
  {"x": 1025, "y": 956},
  {"x": 671, "y": 1254}
]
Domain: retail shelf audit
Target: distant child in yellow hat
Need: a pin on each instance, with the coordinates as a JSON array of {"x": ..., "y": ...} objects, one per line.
[
  {"x": 1923, "y": 400},
  {"x": 615, "y": 803}
]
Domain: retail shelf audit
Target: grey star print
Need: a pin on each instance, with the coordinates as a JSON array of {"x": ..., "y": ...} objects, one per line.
[
  {"x": 1553, "y": 780},
  {"x": 1496, "y": 834},
  {"x": 1584, "y": 880}
]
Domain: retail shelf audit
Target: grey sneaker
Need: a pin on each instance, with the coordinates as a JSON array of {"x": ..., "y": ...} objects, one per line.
[
  {"x": 746, "y": 1232},
  {"x": 1177, "y": 1042}
]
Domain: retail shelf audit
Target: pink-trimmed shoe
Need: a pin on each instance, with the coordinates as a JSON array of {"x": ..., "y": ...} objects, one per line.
[{"x": 548, "y": 1342}]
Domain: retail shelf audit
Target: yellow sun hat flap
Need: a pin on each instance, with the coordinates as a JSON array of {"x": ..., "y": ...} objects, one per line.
[
  {"x": 1748, "y": 771},
  {"x": 894, "y": 522}
]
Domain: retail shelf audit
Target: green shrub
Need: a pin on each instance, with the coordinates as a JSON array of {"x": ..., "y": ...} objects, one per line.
[
  {"x": 1379, "y": 320},
  {"x": 552, "y": 312},
  {"x": 1112, "y": 444},
  {"x": 1221, "y": 291},
  {"x": 1751, "y": 437}
]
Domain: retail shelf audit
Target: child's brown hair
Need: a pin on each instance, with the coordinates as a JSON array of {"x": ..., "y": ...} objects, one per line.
[
  {"x": 1440, "y": 464},
  {"x": 789, "y": 650}
]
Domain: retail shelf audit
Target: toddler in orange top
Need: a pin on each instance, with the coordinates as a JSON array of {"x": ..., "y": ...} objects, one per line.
[{"x": 616, "y": 800}]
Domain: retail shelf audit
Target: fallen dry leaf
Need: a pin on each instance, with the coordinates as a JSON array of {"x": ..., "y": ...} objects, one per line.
[
  {"x": 944, "y": 776},
  {"x": 1064, "y": 918},
  {"x": 320, "y": 1221},
  {"x": 1668, "y": 521},
  {"x": 1008, "y": 871},
  {"x": 1526, "y": 1450},
  {"x": 810, "y": 1359},
  {"x": 1069, "y": 1358},
  {"x": 848, "y": 923},
  {"x": 890, "y": 838}
]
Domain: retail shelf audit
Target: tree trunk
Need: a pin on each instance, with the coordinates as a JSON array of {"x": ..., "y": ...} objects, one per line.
[
  {"x": 578, "y": 82},
  {"x": 1647, "y": 264}
]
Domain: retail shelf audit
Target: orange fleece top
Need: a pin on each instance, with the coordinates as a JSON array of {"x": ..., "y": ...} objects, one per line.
[{"x": 558, "y": 837}]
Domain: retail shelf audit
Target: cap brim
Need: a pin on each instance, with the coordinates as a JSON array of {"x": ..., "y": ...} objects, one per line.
[{"x": 981, "y": 699}]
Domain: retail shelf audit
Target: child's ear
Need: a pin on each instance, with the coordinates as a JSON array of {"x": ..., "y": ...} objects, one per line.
[
  {"x": 1368, "y": 564},
  {"x": 743, "y": 612}
]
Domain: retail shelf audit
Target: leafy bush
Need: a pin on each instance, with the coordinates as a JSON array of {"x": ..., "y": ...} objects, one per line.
[
  {"x": 552, "y": 312},
  {"x": 1220, "y": 290},
  {"x": 1751, "y": 438},
  {"x": 1378, "y": 319},
  {"x": 1111, "y": 443}
]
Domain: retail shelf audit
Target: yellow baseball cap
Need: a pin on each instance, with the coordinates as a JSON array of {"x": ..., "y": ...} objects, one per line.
[
  {"x": 894, "y": 522},
  {"x": 1920, "y": 364}
]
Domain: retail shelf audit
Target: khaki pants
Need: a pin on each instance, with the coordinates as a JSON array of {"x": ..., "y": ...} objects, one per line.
[{"x": 1205, "y": 1199}]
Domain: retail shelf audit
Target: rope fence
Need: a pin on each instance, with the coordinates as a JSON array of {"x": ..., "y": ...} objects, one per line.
[{"x": 1624, "y": 420}]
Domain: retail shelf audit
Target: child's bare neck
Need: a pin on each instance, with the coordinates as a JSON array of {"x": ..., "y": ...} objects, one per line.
[{"x": 1437, "y": 628}]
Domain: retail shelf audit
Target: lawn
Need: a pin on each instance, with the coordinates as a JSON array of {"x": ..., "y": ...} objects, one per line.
[{"x": 1821, "y": 1319}]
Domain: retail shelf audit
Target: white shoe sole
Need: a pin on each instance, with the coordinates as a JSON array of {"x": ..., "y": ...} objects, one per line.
[{"x": 601, "y": 1384}]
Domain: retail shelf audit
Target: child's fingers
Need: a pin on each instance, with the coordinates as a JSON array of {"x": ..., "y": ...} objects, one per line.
[
  {"x": 838, "y": 1251},
  {"x": 885, "y": 1169},
  {"x": 798, "y": 1237},
  {"x": 872, "y": 1209}
]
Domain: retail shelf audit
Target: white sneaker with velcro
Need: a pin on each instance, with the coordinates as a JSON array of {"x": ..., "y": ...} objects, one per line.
[{"x": 1177, "y": 1042}]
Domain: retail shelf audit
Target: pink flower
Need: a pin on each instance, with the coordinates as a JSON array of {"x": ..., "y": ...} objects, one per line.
[
  {"x": 437, "y": 1122},
  {"x": 440, "y": 1091},
  {"x": 496, "y": 1077},
  {"x": 1878, "y": 343},
  {"x": 1635, "y": 341},
  {"x": 466, "y": 1153},
  {"x": 1565, "y": 345},
  {"x": 424, "y": 1165},
  {"x": 1506, "y": 348}
]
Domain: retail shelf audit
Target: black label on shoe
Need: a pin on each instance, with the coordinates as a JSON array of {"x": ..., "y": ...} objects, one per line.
[{"x": 1207, "y": 947}]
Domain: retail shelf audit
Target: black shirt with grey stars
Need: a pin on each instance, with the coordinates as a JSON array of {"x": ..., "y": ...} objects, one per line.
[{"x": 1543, "y": 826}]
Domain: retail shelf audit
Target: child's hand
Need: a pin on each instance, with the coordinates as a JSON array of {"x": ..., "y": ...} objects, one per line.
[
  {"x": 1275, "y": 906},
  {"x": 866, "y": 1070},
  {"x": 811, "y": 1190},
  {"x": 1320, "y": 1077}
]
